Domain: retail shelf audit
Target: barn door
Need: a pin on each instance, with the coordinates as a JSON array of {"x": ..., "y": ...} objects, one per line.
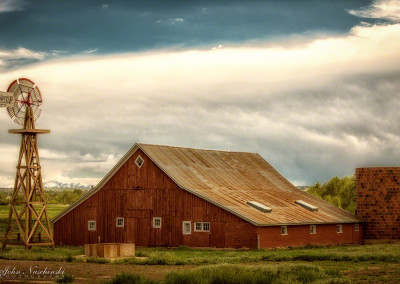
[
  {"x": 130, "y": 230},
  {"x": 143, "y": 232},
  {"x": 217, "y": 236}
]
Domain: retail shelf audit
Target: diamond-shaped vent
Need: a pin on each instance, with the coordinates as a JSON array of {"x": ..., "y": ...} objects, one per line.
[{"x": 139, "y": 161}]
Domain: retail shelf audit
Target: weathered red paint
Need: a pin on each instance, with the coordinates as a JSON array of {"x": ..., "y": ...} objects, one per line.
[
  {"x": 326, "y": 234},
  {"x": 139, "y": 194}
]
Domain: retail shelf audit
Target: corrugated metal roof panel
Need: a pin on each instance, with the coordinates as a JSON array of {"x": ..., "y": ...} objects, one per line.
[{"x": 231, "y": 179}]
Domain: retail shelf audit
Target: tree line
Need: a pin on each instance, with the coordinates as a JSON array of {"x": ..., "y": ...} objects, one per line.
[
  {"x": 338, "y": 191},
  {"x": 66, "y": 197}
]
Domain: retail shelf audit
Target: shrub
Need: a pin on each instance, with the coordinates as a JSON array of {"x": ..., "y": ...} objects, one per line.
[
  {"x": 66, "y": 278},
  {"x": 228, "y": 273},
  {"x": 99, "y": 260},
  {"x": 142, "y": 254},
  {"x": 130, "y": 278}
]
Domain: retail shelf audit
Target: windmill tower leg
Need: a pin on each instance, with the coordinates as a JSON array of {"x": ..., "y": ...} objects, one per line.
[{"x": 28, "y": 210}]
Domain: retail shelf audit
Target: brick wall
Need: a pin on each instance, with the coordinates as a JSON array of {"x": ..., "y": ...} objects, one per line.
[{"x": 378, "y": 201}]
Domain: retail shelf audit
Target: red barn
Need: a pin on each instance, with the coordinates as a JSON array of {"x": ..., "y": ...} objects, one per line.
[{"x": 171, "y": 196}]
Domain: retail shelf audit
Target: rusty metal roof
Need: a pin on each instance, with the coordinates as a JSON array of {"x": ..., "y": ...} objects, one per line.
[{"x": 231, "y": 179}]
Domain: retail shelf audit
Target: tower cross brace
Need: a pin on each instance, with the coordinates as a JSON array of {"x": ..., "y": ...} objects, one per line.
[{"x": 28, "y": 211}]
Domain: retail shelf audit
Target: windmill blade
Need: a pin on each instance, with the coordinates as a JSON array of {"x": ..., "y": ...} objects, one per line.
[{"x": 6, "y": 99}]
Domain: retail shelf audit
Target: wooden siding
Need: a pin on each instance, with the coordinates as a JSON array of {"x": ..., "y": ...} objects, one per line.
[
  {"x": 138, "y": 195},
  {"x": 326, "y": 234}
]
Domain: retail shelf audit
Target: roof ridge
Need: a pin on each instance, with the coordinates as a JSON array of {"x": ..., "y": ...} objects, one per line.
[{"x": 199, "y": 149}]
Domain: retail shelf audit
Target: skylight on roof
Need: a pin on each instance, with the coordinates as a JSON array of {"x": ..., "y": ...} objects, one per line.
[
  {"x": 259, "y": 206},
  {"x": 306, "y": 205}
]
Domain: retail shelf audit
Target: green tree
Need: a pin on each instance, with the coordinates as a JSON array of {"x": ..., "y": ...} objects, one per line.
[
  {"x": 69, "y": 196},
  {"x": 338, "y": 191}
]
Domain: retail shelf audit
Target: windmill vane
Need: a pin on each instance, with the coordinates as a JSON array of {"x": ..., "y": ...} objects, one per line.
[{"x": 21, "y": 94}]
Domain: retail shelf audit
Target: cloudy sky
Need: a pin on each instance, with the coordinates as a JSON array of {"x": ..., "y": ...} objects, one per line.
[{"x": 313, "y": 86}]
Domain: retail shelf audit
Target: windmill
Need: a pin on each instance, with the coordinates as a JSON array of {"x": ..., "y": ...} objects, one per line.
[{"x": 28, "y": 222}]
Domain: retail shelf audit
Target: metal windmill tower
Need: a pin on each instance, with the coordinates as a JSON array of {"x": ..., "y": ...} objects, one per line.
[{"x": 28, "y": 221}]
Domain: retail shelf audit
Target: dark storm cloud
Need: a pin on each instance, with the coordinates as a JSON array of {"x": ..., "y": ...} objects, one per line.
[
  {"x": 314, "y": 106},
  {"x": 126, "y": 26}
]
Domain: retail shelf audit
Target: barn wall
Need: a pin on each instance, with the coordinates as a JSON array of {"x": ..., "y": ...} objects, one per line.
[
  {"x": 138, "y": 195},
  {"x": 378, "y": 201},
  {"x": 299, "y": 235}
]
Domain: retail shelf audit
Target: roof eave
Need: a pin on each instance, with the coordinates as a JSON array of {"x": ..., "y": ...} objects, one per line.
[{"x": 99, "y": 186}]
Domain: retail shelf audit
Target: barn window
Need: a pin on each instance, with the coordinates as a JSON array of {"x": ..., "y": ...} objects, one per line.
[
  {"x": 120, "y": 222},
  {"x": 139, "y": 161},
  {"x": 187, "y": 227},
  {"x": 156, "y": 222},
  {"x": 202, "y": 226},
  {"x": 313, "y": 229},
  {"x": 284, "y": 230},
  {"x": 198, "y": 226},
  {"x": 356, "y": 227},
  {"x": 339, "y": 228},
  {"x": 92, "y": 225}
]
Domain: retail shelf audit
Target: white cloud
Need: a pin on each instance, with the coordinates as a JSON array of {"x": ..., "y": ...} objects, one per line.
[
  {"x": 171, "y": 21},
  {"x": 90, "y": 51},
  {"x": 380, "y": 9},
  {"x": 11, "y": 5},
  {"x": 218, "y": 46},
  {"x": 313, "y": 110},
  {"x": 19, "y": 54}
]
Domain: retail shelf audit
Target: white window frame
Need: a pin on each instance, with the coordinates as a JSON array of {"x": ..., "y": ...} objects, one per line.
[
  {"x": 313, "y": 229},
  {"x": 154, "y": 222},
  {"x": 356, "y": 227},
  {"x": 92, "y": 225},
  {"x": 184, "y": 223},
  {"x": 339, "y": 228},
  {"x": 200, "y": 224},
  {"x": 118, "y": 224},
  {"x": 136, "y": 161},
  {"x": 284, "y": 231}
]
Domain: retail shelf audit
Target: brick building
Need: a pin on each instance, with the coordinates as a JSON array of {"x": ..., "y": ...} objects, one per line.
[
  {"x": 378, "y": 201},
  {"x": 170, "y": 196}
]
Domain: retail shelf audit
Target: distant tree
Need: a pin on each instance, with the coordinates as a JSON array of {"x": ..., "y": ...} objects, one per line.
[
  {"x": 4, "y": 198},
  {"x": 338, "y": 191},
  {"x": 69, "y": 196}
]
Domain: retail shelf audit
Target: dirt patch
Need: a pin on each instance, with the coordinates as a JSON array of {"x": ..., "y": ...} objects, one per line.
[{"x": 85, "y": 272}]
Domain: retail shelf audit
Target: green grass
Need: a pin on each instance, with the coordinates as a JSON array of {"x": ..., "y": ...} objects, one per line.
[
  {"x": 41, "y": 253},
  {"x": 383, "y": 253},
  {"x": 328, "y": 263},
  {"x": 162, "y": 256},
  {"x": 52, "y": 210},
  {"x": 229, "y": 273},
  {"x": 233, "y": 273}
]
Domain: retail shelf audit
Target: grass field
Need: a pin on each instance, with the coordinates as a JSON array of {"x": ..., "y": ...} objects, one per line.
[
  {"x": 52, "y": 210},
  {"x": 340, "y": 264},
  {"x": 336, "y": 264}
]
